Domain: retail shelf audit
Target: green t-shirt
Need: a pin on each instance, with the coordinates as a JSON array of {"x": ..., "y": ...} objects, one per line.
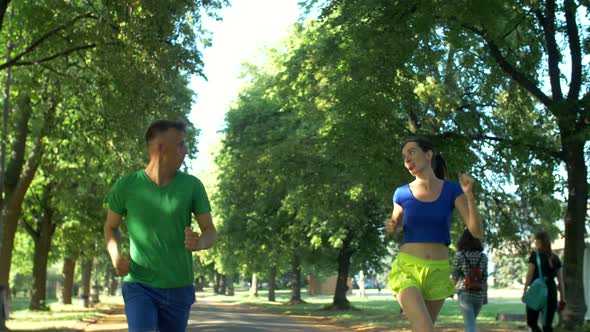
[{"x": 156, "y": 218}]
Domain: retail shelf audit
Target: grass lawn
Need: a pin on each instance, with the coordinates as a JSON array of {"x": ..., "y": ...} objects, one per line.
[
  {"x": 376, "y": 309},
  {"x": 60, "y": 317}
]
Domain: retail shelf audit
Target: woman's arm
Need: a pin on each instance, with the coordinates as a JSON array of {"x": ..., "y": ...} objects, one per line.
[
  {"x": 467, "y": 207},
  {"x": 529, "y": 277},
  {"x": 392, "y": 225}
]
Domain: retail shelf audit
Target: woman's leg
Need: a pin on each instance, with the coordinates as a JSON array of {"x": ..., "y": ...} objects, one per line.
[
  {"x": 551, "y": 309},
  {"x": 477, "y": 309},
  {"x": 468, "y": 311},
  {"x": 433, "y": 308},
  {"x": 532, "y": 317},
  {"x": 415, "y": 309}
]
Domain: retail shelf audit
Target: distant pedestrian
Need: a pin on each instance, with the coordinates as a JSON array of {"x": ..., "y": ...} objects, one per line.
[
  {"x": 550, "y": 269},
  {"x": 470, "y": 273}
]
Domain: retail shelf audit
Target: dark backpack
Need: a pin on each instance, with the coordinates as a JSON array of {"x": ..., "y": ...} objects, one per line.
[{"x": 473, "y": 280}]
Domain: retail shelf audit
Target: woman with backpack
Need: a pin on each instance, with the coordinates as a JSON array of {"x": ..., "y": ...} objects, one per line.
[
  {"x": 550, "y": 269},
  {"x": 420, "y": 273},
  {"x": 470, "y": 274}
]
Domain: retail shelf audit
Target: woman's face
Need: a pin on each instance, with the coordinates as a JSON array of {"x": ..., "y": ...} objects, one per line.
[{"x": 416, "y": 160}]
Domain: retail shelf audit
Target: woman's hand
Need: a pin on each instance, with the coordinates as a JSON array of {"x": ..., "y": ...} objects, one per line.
[
  {"x": 466, "y": 182},
  {"x": 390, "y": 226}
]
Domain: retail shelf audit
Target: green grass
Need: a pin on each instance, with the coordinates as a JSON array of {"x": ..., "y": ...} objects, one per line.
[
  {"x": 59, "y": 316},
  {"x": 372, "y": 311}
]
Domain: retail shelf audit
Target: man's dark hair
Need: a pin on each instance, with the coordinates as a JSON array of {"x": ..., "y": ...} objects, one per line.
[{"x": 160, "y": 126}]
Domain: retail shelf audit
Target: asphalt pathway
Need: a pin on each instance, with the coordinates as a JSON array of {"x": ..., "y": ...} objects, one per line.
[{"x": 214, "y": 316}]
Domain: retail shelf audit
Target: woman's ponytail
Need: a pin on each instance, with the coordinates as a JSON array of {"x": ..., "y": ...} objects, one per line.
[{"x": 439, "y": 165}]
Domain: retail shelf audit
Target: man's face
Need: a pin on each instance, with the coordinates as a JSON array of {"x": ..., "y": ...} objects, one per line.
[{"x": 173, "y": 148}]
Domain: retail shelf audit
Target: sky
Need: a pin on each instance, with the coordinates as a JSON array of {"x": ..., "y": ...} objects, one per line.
[{"x": 248, "y": 26}]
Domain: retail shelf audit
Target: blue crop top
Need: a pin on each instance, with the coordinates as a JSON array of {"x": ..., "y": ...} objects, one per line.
[{"x": 428, "y": 221}]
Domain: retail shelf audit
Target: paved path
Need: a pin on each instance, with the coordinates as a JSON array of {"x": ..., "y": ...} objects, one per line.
[
  {"x": 208, "y": 315},
  {"x": 212, "y": 316}
]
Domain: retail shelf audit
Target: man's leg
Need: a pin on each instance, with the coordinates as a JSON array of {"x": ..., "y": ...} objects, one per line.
[
  {"x": 174, "y": 308},
  {"x": 140, "y": 308}
]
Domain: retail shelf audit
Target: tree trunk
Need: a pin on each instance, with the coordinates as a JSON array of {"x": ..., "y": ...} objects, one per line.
[
  {"x": 5, "y": 112},
  {"x": 296, "y": 279},
  {"x": 272, "y": 281},
  {"x": 3, "y": 8},
  {"x": 17, "y": 183},
  {"x": 344, "y": 255},
  {"x": 199, "y": 283},
  {"x": 254, "y": 286},
  {"x": 86, "y": 280},
  {"x": 575, "y": 220},
  {"x": 219, "y": 287},
  {"x": 8, "y": 206},
  {"x": 68, "y": 279},
  {"x": 12, "y": 210},
  {"x": 215, "y": 282},
  {"x": 42, "y": 246},
  {"x": 222, "y": 288},
  {"x": 4, "y": 309},
  {"x": 95, "y": 290},
  {"x": 111, "y": 282},
  {"x": 229, "y": 281},
  {"x": 112, "y": 291}
]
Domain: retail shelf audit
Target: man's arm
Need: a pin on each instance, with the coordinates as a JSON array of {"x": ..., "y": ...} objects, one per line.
[
  {"x": 208, "y": 232},
  {"x": 111, "y": 227}
]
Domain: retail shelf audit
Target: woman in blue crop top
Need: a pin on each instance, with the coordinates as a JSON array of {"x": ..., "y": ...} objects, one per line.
[{"x": 420, "y": 274}]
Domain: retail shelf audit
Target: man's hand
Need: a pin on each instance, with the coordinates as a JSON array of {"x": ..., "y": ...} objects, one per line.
[
  {"x": 122, "y": 265},
  {"x": 191, "y": 239}
]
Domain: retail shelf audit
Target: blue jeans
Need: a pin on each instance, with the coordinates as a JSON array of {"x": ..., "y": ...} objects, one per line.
[
  {"x": 157, "y": 309},
  {"x": 470, "y": 310}
]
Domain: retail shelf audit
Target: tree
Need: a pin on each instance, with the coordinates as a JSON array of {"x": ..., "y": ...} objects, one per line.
[
  {"x": 110, "y": 62},
  {"x": 251, "y": 188},
  {"x": 508, "y": 270}
]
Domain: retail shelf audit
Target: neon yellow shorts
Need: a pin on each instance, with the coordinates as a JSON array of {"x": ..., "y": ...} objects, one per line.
[{"x": 431, "y": 277}]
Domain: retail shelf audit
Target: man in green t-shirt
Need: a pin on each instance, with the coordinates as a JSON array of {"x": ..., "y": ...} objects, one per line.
[{"x": 157, "y": 204}]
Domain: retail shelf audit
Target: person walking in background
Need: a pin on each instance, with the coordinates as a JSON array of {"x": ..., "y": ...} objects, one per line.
[
  {"x": 470, "y": 273},
  {"x": 550, "y": 269},
  {"x": 420, "y": 274},
  {"x": 157, "y": 204}
]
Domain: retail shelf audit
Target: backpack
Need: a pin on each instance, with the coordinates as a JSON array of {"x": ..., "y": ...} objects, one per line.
[{"x": 473, "y": 280}]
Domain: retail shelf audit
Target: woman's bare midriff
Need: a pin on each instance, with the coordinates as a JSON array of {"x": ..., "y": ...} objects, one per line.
[{"x": 426, "y": 250}]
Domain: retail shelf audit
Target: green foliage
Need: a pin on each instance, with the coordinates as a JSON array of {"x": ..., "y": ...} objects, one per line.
[
  {"x": 94, "y": 75},
  {"x": 509, "y": 270}
]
